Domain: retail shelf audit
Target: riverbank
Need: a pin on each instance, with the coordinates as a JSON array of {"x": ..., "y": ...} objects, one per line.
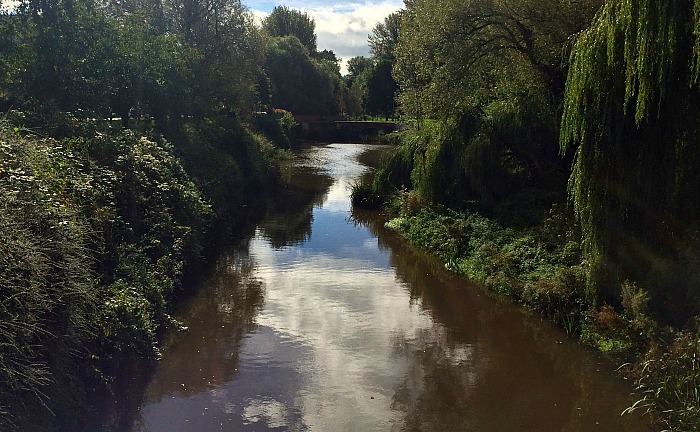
[
  {"x": 100, "y": 227},
  {"x": 325, "y": 320},
  {"x": 542, "y": 268}
]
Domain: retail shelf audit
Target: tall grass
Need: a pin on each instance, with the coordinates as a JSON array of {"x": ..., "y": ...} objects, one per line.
[
  {"x": 97, "y": 230},
  {"x": 48, "y": 297}
]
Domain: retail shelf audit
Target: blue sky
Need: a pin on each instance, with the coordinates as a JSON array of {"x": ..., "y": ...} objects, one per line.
[{"x": 341, "y": 26}]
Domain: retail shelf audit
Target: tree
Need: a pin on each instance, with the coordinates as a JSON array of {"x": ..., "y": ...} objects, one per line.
[
  {"x": 632, "y": 113},
  {"x": 150, "y": 72},
  {"x": 329, "y": 57},
  {"x": 450, "y": 48},
  {"x": 284, "y": 21},
  {"x": 329, "y": 64},
  {"x": 224, "y": 50},
  {"x": 370, "y": 79},
  {"x": 299, "y": 84},
  {"x": 381, "y": 89},
  {"x": 356, "y": 82},
  {"x": 63, "y": 55},
  {"x": 357, "y": 65},
  {"x": 385, "y": 36},
  {"x": 488, "y": 76}
]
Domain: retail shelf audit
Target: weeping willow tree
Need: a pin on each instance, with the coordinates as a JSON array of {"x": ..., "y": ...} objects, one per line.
[
  {"x": 632, "y": 112},
  {"x": 483, "y": 80}
]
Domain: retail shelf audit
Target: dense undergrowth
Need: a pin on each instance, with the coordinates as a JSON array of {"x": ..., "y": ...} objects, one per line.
[
  {"x": 528, "y": 249},
  {"x": 98, "y": 227}
]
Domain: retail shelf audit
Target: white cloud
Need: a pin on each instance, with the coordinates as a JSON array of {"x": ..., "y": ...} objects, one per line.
[
  {"x": 8, "y": 5},
  {"x": 340, "y": 27}
]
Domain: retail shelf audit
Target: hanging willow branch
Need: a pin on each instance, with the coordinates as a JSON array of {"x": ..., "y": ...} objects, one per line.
[
  {"x": 637, "y": 37},
  {"x": 630, "y": 111}
]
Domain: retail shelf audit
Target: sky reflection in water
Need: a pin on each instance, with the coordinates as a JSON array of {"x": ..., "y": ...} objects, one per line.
[{"x": 338, "y": 326}]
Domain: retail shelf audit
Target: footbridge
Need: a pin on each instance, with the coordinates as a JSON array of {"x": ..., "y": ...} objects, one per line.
[{"x": 339, "y": 130}]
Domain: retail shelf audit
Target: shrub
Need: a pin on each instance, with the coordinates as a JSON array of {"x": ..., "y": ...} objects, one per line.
[
  {"x": 48, "y": 299},
  {"x": 96, "y": 232},
  {"x": 669, "y": 384},
  {"x": 277, "y": 125},
  {"x": 362, "y": 195}
]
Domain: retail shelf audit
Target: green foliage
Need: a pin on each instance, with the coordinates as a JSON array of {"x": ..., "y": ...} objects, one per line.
[
  {"x": 385, "y": 36},
  {"x": 284, "y": 21},
  {"x": 134, "y": 59},
  {"x": 232, "y": 167},
  {"x": 381, "y": 89},
  {"x": 489, "y": 73},
  {"x": 150, "y": 72},
  {"x": 669, "y": 384},
  {"x": 452, "y": 164},
  {"x": 99, "y": 226},
  {"x": 522, "y": 264},
  {"x": 48, "y": 298},
  {"x": 96, "y": 234},
  {"x": 357, "y": 65},
  {"x": 452, "y": 53},
  {"x": 277, "y": 125},
  {"x": 302, "y": 79},
  {"x": 98, "y": 230},
  {"x": 372, "y": 89},
  {"x": 300, "y": 84},
  {"x": 630, "y": 113},
  {"x": 363, "y": 196}
]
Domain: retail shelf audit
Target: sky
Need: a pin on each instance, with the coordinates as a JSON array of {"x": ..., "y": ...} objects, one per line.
[{"x": 342, "y": 26}]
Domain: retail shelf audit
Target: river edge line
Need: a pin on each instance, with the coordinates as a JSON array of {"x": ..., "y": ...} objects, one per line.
[
  {"x": 104, "y": 229},
  {"x": 542, "y": 267}
]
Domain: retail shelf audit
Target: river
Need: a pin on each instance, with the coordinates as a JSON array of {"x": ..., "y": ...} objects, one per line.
[{"x": 326, "y": 321}]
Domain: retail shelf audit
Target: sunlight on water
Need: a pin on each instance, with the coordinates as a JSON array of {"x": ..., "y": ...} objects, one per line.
[{"x": 325, "y": 323}]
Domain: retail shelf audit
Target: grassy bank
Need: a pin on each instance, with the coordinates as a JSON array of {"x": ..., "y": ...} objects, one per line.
[
  {"x": 529, "y": 251},
  {"x": 99, "y": 226},
  {"x": 542, "y": 268}
]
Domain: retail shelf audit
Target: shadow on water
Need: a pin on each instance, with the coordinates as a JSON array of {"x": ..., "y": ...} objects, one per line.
[
  {"x": 480, "y": 367},
  {"x": 351, "y": 329},
  {"x": 290, "y": 211}
]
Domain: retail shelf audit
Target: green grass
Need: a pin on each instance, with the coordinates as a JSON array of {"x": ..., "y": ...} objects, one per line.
[
  {"x": 543, "y": 268},
  {"x": 520, "y": 264}
]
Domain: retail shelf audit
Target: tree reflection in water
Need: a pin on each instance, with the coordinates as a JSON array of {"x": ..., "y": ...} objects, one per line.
[
  {"x": 290, "y": 211},
  {"x": 480, "y": 365}
]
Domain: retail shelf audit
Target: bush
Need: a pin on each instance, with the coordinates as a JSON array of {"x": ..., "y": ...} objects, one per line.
[
  {"x": 232, "y": 168},
  {"x": 669, "y": 384},
  {"x": 48, "y": 298},
  {"x": 96, "y": 233},
  {"x": 363, "y": 196},
  {"x": 279, "y": 126}
]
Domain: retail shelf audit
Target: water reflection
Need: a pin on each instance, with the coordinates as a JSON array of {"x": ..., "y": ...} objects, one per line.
[
  {"x": 326, "y": 321},
  {"x": 487, "y": 365},
  {"x": 191, "y": 389},
  {"x": 290, "y": 211}
]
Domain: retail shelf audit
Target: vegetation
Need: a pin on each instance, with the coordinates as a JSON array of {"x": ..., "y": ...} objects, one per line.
[
  {"x": 551, "y": 156},
  {"x": 97, "y": 233},
  {"x": 372, "y": 88},
  {"x": 283, "y": 21},
  {"x": 632, "y": 185},
  {"x": 128, "y": 152},
  {"x": 302, "y": 79},
  {"x": 300, "y": 83},
  {"x": 508, "y": 99}
]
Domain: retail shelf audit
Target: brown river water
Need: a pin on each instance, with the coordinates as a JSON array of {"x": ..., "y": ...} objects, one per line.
[{"x": 326, "y": 321}]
